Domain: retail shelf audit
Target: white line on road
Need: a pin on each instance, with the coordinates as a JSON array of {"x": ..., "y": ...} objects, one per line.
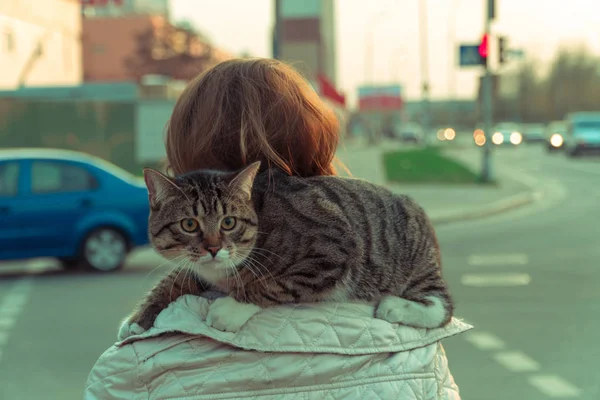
[
  {"x": 516, "y": 361},
  {"x": 484, "y": 341},
  {"x": 6, "y": 323},
  {"x": 554, "y": 386},
  {"x": 495, "y": 280},
  {"x": 11, "y": 306},
  {"x": 498, "y": 259}
]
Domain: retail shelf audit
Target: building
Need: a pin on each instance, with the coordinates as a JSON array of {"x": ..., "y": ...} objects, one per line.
[
  {"x": 122, "y": 8},
  {"x": 126, "y": 48},
  {"x": 304, "y": 35},
  {"x": 40, "y": 43}
]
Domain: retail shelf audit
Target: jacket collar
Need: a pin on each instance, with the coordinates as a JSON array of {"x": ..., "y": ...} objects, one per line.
[{"x": 341, "y": 328}]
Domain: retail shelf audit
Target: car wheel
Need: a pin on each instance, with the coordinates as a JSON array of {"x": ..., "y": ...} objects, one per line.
[
  {"x": 573, "y": 153},
  {"x": 104, "y": 250}
]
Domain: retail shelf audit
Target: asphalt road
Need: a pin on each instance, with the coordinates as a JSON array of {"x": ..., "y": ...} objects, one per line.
[{"x": 527, "y": 279}]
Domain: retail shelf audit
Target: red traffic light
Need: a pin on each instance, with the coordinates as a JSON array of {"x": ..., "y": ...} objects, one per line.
[{"x": 484, "y": 46}]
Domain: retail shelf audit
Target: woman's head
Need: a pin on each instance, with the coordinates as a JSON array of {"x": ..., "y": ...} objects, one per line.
[{"x": 248, "y": 110}]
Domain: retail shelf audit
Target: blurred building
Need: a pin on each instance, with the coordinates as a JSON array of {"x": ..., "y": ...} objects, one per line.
[
  {"x": 121, "y": 8},
  {"x": 40, "y": 43},
  {"x": 304, "y": 36},
  {"x": 128, "y": 47}
]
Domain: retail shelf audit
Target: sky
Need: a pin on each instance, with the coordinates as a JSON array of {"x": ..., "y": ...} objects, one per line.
[{"x": 538, "y": 27}]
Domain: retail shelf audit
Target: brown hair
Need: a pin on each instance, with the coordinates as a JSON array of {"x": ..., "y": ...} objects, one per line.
[{"x": 247, "y": 110}]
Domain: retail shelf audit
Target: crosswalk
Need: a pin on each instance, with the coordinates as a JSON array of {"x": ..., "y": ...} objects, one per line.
[{"x": 509, "y": 270}]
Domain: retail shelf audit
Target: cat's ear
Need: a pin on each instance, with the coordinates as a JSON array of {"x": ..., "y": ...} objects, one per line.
[
  {"x": 158, "y": 185},
  {"x": 244, "y": 180}
]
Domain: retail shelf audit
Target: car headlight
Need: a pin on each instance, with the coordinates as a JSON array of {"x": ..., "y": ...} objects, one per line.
[
  {"x": 516, "y": 138},
  {"x": 556, "y": 140},
  {"x": 497, "y": 138}
]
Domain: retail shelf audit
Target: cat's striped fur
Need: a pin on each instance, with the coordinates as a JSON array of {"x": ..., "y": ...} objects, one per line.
[{"x": 295, "y": 240}]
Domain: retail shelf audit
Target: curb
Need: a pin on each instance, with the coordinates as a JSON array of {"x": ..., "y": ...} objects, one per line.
[{"x": 503, "y": 205}]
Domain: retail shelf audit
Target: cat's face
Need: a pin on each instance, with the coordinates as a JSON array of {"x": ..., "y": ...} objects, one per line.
[{"x": 204, "y": 221}]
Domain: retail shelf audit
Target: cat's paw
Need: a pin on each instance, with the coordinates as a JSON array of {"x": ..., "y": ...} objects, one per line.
[
  {"x": 393, "y": 309},
  {"x": 397, "y": 310},
  {"x": 128, "y": 329},
  {"x": 228, "y": 315}
]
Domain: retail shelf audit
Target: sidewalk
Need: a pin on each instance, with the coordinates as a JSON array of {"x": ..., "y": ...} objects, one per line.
[{"x": 443, "y": 203}]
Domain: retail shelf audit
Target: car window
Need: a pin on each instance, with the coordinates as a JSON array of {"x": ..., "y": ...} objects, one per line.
[
  {"x": 53, "y": 177},
  {"x": 9, "y": 179},
  {"x": 588, "y": 125}
]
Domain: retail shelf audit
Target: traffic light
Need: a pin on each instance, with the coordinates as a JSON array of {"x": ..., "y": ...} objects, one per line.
[
  {"x": 502, "y": 49},
  {"x": 484, "y": 49}
]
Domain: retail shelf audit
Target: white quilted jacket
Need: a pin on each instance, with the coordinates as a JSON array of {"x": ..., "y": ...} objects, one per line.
[{"x": 321, "y": 351}]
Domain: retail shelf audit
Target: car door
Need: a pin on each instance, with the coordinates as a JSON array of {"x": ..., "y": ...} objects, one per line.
[
  {"x": 57, "y": 195},
  {"x": 12, "y": 234}
]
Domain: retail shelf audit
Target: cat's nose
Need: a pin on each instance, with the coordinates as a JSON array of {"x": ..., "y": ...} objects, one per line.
[{"x": 213, "y": 250}]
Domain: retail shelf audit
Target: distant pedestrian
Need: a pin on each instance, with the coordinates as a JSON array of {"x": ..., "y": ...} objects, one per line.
[{"x": 239, "y": 112}]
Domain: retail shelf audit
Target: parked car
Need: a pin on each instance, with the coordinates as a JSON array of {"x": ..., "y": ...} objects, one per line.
[
  {"x": 507, "y": 133},
  {"x": 534, "y": 133},
  {"x": 411, "y": 133},
  {"x": 554, "y": 135},
  {"x": 583, "y": 133},
  {"x": 69, "y": 205}
]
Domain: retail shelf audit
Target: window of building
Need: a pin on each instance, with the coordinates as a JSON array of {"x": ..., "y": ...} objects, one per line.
[
  {"x": 9, "y": 40},
  {"x": 98, "y": 49}
]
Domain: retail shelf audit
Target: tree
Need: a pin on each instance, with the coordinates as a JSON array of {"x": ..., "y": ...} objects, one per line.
[{"x": 173, "y": 51}]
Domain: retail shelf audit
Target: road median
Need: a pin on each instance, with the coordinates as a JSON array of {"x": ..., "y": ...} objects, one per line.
[{"x": 445, "y": 202}]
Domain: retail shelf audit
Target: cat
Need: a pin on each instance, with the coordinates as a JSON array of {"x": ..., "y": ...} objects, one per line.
[{"x": 269, "y": 238}]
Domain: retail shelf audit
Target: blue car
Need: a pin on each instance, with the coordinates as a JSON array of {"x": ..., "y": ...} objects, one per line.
[{"x": 72, "y": 206}]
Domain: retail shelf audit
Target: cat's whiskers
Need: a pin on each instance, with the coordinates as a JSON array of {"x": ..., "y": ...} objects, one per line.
[
  {"x": 248, "y": 264},
  {"x": 255, "y": 263},
  {"x": 179, "y": 269},
  {"x": 257, "y": 249},
  {"x": 164, "y": 263},
  {"x": 240, "y": 281}
]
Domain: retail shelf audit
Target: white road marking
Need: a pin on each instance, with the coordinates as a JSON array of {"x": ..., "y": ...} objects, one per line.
[
  {"x": 554, "y": 386},
  {"x": 498, "y": 259},
  {"x": 516, "y": 361},
  {"x": 495, "y": 280},
  {"x": 484, "y": 341},
  {"x": 11, "y": 306},
  {"x": 6, "y": 323}
]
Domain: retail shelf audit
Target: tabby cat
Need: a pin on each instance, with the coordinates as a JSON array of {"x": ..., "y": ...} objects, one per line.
[{"x": 269, "y": 238}]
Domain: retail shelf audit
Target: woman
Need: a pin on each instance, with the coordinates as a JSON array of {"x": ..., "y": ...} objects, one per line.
[{"x": 239, "y": 112}]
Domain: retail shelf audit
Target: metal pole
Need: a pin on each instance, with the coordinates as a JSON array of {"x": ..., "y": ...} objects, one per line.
[
  {"x": 369, "y": 38},
  {"x": 452, "y": 62},
  {"x": 424, "y": 65},
  {"x": 486, "y": 168}
]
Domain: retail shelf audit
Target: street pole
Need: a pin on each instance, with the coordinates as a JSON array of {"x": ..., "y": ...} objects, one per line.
[
  {"x": 452, "y": 63},
  {"x": 487, "y": 92},
  {"x": 424, "y": 65},
  {"x": 369, "y": 39}
]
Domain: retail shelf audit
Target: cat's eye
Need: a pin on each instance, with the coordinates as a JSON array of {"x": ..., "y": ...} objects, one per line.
[
  {"x": 228, "y": 223},
  {"x": 190, "y": 225}
]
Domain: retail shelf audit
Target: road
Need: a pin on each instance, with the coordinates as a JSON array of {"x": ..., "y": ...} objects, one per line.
[{"x": 527, "y": 279}]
